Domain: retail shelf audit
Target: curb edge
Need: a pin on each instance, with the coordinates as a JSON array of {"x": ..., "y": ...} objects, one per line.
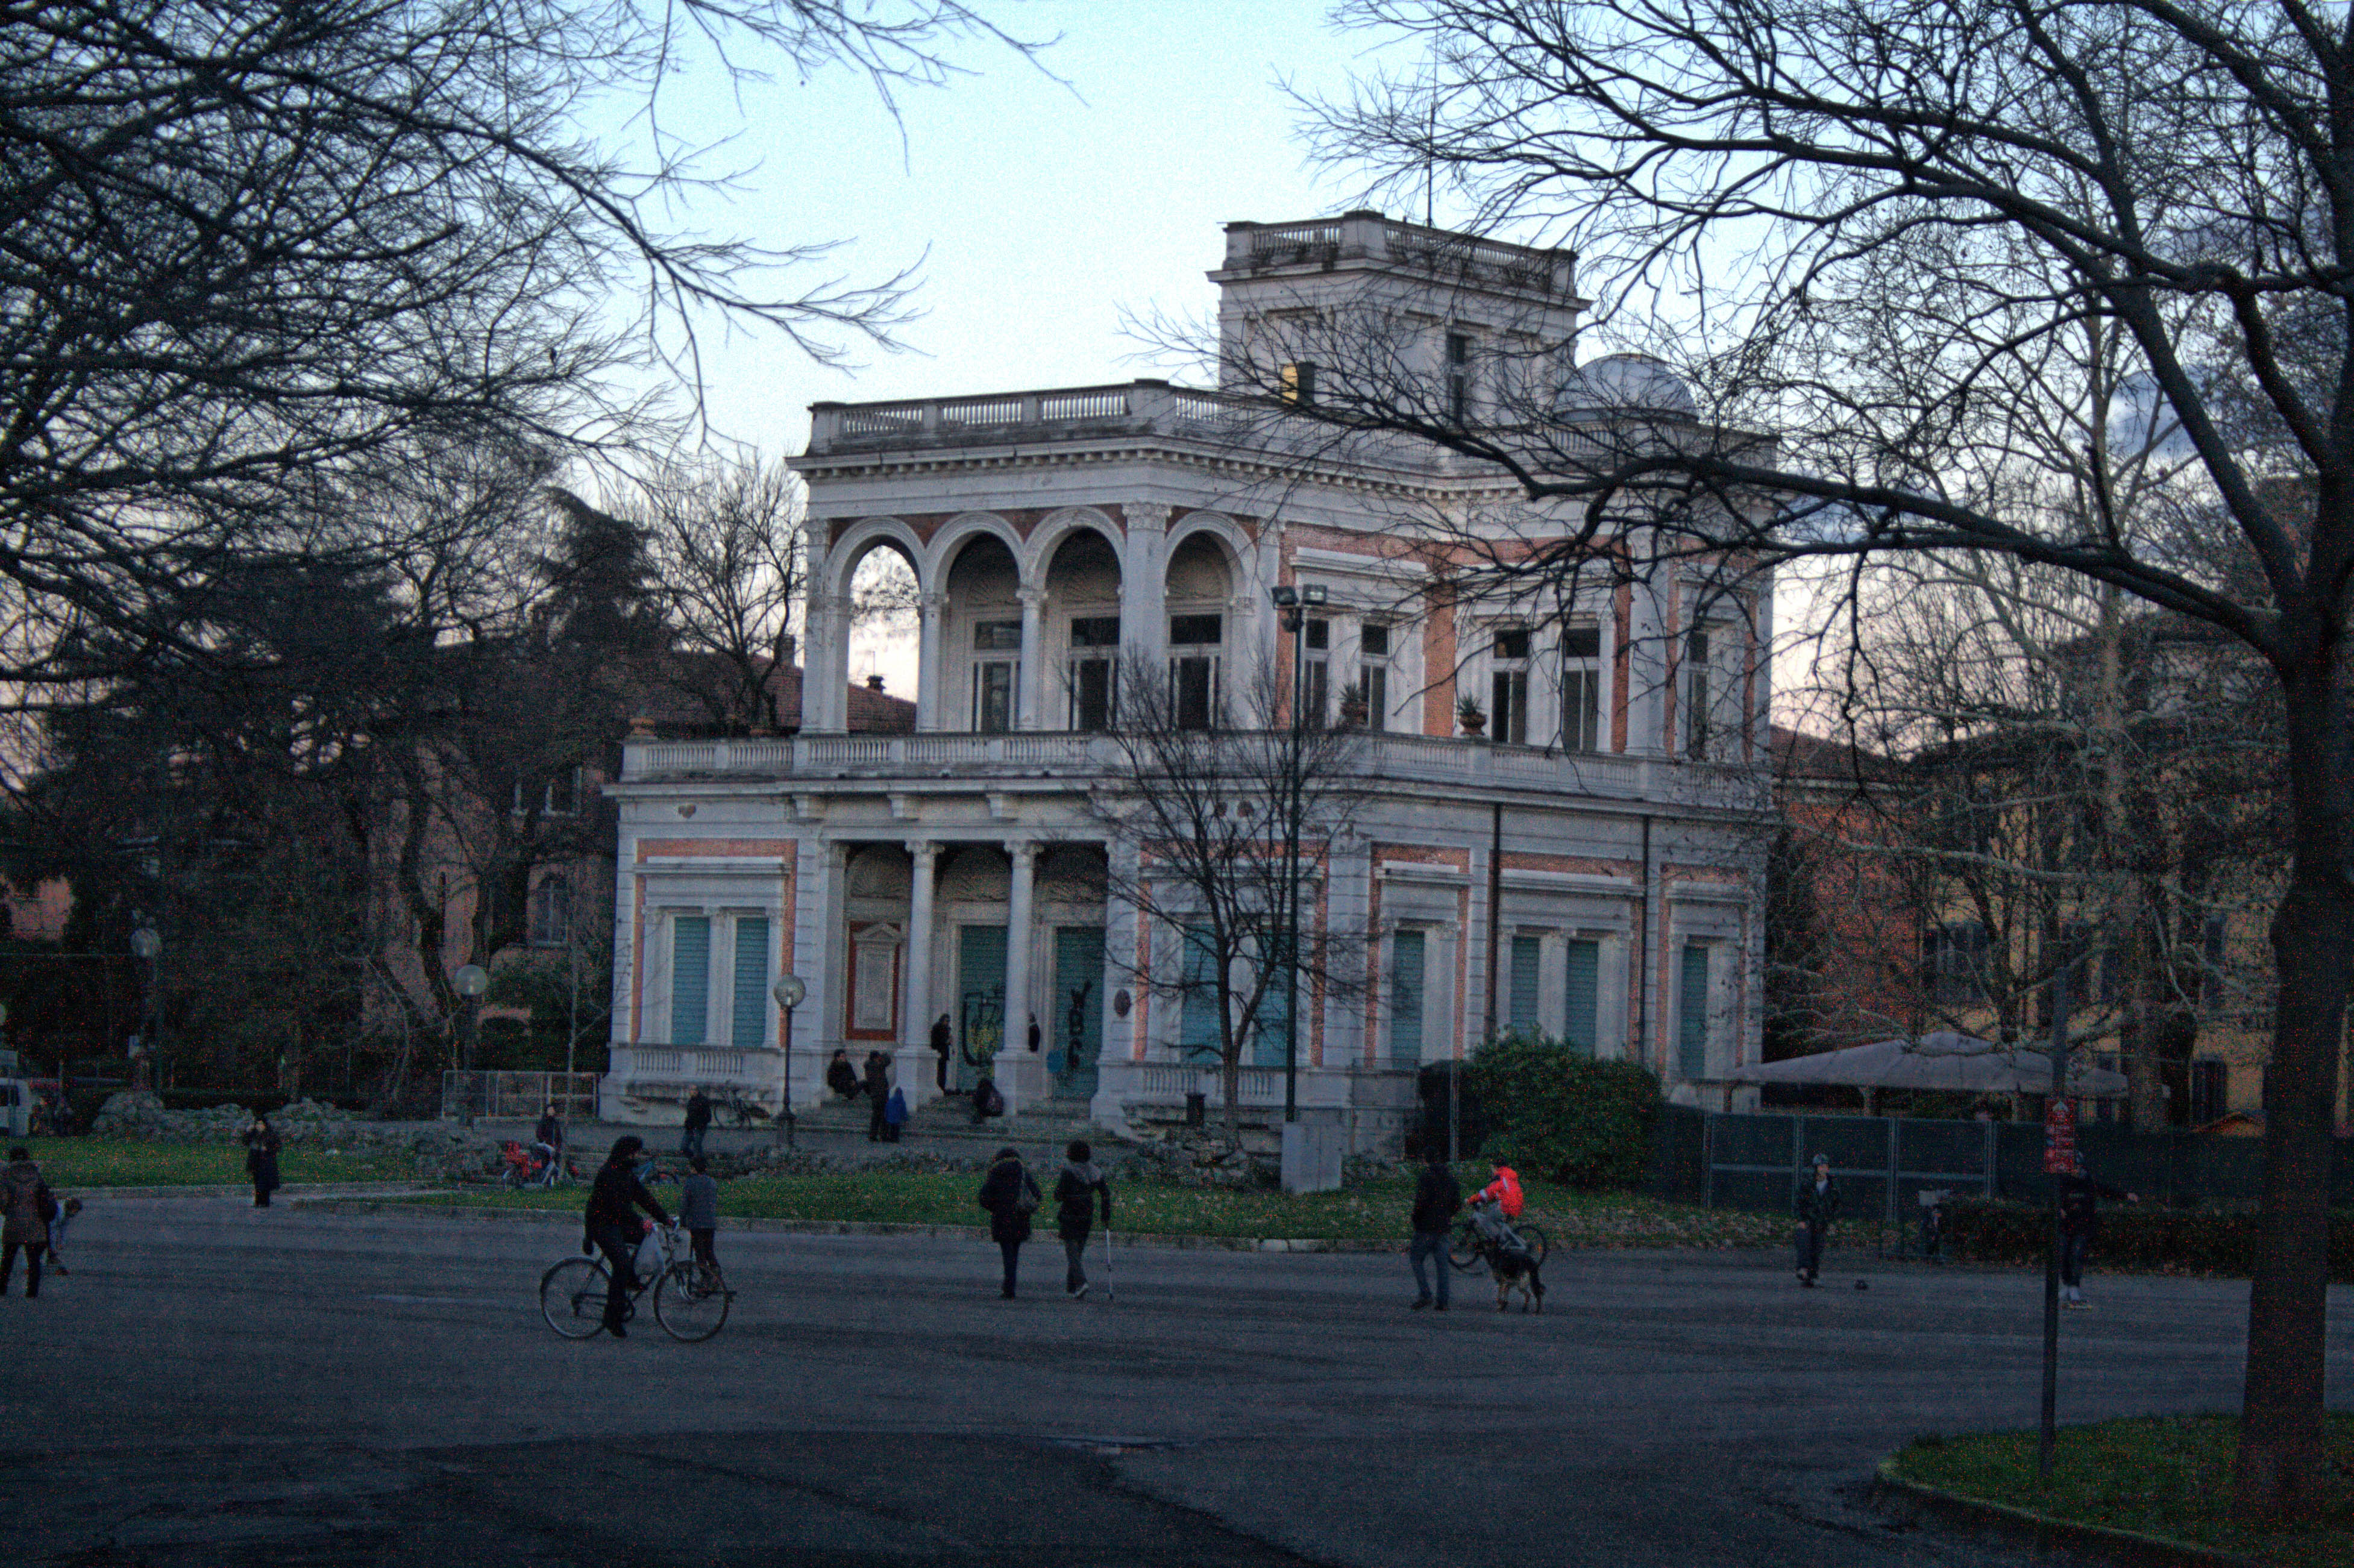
[{"x": 2127, "y": 1545}]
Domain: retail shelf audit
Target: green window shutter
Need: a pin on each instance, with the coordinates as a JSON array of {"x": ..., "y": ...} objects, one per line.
[
  {"x": 1528, "y": 958},
  {"x": 1583, "y": 1024},
  {"x": 1198, "y": 1032},
  {"x": 1274, "y": 1013},
  {"x": 751, "y": 1019},
  {"x": 1406, "y": 999},
  {"x": 690, "y": 979},
  {"x": 1691, "y": 1024}
]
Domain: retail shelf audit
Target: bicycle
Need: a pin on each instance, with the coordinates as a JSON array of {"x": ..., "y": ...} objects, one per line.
[
  {"x": 691, "y": 1298},
  {"x": 1468, "y": 1248}
]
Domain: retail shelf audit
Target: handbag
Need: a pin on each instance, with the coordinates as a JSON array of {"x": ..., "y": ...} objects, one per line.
[{"x": 1025, "y": 1196}]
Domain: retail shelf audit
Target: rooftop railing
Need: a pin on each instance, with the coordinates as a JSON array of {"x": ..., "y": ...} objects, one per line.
[
  {"x": 1370, "y": 237},
  {"x": 1136, "y": 406},
  {"x": 1447, "y": 762}
]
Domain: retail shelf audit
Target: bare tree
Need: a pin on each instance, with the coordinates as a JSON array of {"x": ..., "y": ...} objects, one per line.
[
  {"x": 725, "y": 538},
  {"x": 1870, "y": 229},
  {"x": 1218, "y": 811},
  {"x": 263, "y": 250}
]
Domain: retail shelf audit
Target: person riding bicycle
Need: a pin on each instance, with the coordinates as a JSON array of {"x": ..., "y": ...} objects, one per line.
[
  {"x": 612, "y": 1229},
  {"x": 1494, "y": 1206}
]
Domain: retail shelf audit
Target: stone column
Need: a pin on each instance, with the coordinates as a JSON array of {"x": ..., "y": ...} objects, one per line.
[
  {"x": 1021, "y": 1077},
  {"x": 1143, "y": 586},
  {"x": 915, "y": 1062},
  {"x": 1031, "y": 684},
  {"x": 933, "y": 630}
]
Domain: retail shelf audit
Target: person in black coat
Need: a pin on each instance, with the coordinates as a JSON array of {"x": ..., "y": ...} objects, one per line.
[
  {"x": 2079, "y": 1223},
  {"x": 1437, "y": 1199},
  {"x": 1011, "y": 1195},
  {"x": 840, "y": 1076},
  {"x": 699, "y": 1123},
  {"x": 943, "y": 1047},
  {"x": 611, "y": 1226},
  {"x": 1815, "y": 1203},
  {"x": 262, "y": 1145},
  {"x": 878, "y": 1094},
  {"x": 1077, "y": 1193}
]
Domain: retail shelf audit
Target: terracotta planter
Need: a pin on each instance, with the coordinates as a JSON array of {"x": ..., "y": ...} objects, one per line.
[{"x": 1473, "y": 724}]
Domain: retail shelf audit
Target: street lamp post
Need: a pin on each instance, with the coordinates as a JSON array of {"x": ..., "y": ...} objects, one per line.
[
  {"x": 148, "y": 943},
  {"x": 1293, "y": 602},
  {"x": 470, "y": 982},
  {"x": 790, "y": 992}
]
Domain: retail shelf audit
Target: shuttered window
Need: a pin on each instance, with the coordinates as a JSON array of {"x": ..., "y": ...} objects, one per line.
[
  {"x": 1692, "y": 1023},
  {"x": 1405, "y": 998},
  {"x": 1528, "y": 960},
  {"x": 1199, "y": 1035},
  {"x": 750, "y": 1023},
  {"x": 690, "y": 980},
  {"x": 1582, "y": 1018},
  {"x": 1274, "y": 1011}
]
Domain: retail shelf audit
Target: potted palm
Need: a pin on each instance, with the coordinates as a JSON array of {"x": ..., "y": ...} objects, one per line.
[
  {"x": 1472, "y": 716},
  {"x": 1353, "y": 706}
]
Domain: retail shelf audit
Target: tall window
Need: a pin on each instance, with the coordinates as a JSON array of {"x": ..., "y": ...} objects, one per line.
[
  {"x": 1407, "y": 985},
  {"x": 1581, "y": 689},
  {"x": 1953, "y": 956},
  {"x": 993, "y": 678},
  {"x": 1692, "y": 1015},
  {"x": 1095, "y": 671},
  {"x": 1699, "y": 693},
  {"x": 1193, "y": 645},
  {"x": 1373, "y": 673},
  {"x": 1298, "y": 381},
  {"x": 551, "y": 911},
  {"x": 1458, "y": 378},
  {"x": 2210, "y": 1086},
  {"x": 1582, "y": 1010},
  {"x": 1508, "y": 684},
  {"x": 1199, "y": 1034},
  {"x": 690, "y": 980},
  {"x": 1315, "y": 693},
  {"x": 1711, "y": 695},
  {"x": 750, "y": 1022},
  {"x": 1528, "y": 963}
]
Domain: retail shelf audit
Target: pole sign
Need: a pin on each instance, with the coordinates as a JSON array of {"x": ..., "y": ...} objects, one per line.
[{"x": 2059, "y": 1138}]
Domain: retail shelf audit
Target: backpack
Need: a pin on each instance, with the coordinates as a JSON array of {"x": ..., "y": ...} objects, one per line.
[{"x": 24, "y": 1194}]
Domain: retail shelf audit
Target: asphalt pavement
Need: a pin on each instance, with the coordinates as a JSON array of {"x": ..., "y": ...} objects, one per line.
[{"x": 218, "y": 1387}]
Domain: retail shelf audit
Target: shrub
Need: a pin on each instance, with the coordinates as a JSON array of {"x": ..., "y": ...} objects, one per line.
[
  {"x": 2142, "y": 1237},
  {"x": 1563, "y": 1116}
]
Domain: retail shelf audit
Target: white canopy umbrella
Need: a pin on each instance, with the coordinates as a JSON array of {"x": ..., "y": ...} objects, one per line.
[{"x": 1941, "y": 1059}]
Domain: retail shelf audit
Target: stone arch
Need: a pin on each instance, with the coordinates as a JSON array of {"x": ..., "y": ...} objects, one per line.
[
  {"x": 1058, "y": 526},
  {"x": 958, "y": 531},
  {"x": 861, "y": 539}
]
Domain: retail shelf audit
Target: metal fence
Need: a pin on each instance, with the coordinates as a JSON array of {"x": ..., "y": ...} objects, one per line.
[
  {"x": 519, "y": 1096},
  {"x": 1886, "y": 1163}
]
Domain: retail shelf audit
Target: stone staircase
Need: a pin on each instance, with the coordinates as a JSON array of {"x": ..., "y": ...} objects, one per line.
[{"x": 1053, "y": 1122}]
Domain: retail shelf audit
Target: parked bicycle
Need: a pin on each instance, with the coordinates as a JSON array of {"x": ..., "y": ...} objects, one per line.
[
  {"x": 535, "y": 1165},
  {"x": 691, "y": 1298},
  {"x": 1467, "y": 1249}
]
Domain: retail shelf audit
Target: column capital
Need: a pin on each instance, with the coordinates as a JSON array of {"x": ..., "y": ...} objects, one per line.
[
  {"x": 920, "y": 849},
  {"x": 932, "y": 603},
  {"x": 1022, "y": 850},
  {"x": 1148, "y": 516},
  {"x": 1030, "y": 598}
]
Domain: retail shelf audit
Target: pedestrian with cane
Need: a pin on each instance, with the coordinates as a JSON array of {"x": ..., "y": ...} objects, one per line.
[{"x": 1076, "y": 1191}]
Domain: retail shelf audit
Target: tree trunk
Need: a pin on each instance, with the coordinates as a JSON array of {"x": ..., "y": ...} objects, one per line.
[
  {"x": 1230, "y": 1071},
  {"x": 2283, "y": 1463}
]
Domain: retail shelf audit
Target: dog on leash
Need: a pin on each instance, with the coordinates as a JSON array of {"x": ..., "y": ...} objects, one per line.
[{"x": 1514, "y": 1270}]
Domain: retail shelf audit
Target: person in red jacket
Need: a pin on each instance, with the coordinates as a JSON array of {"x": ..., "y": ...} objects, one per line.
[{"x": 1494, "y": 1206}]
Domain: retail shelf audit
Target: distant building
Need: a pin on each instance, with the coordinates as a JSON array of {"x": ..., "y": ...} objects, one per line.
[{"x": 1061, "y": 538}]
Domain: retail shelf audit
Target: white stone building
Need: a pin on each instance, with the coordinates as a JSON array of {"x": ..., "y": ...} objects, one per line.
[{"x": 1060, "y": 536}]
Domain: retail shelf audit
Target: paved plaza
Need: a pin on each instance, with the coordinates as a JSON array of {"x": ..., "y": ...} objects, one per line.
[{"x": 218, "y": 1387}]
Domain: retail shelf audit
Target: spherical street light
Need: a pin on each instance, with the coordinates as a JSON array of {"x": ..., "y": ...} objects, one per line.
[
  {"x": 790, "y": 990},
  {"x": 470, "y": 980},
  {"x": 145, "y": 942}
]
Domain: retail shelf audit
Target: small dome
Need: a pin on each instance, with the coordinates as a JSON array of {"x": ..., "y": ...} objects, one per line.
[{"x": 1620, "y": 383}]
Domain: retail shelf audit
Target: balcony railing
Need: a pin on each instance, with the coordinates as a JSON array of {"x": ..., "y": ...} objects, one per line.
[{"x": 1414, "y": 758}]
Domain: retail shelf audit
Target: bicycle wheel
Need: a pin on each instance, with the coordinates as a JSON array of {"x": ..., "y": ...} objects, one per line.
[
  {"x": 1463, "y": 1250},
  {"x": 691, "y": 1301},
  {"x": 572, "y": 1296},
  {"x": 1533, "y": 1240}
]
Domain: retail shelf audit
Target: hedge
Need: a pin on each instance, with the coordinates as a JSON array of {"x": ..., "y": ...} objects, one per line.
[
  {"x": 1560, "y": 1116},
  {"x": 2134, "y": 1237}
]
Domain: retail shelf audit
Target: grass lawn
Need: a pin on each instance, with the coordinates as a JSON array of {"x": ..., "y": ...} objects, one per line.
[
  {"x": 1375, "y": 1212},
  {"x": 85, "y": 1162},
  {"x": 2168, "y": 1475}
]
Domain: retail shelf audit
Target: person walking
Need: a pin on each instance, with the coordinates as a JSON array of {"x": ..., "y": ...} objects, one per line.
[
  {"x": 1078, "y": 1190},
  {"x": 1816, "y": 1204},
  {"x": 262, "y": 1145},
  {"x": 611, "y": 1228},
  {"x": 699, "y": 1123},
  {"x": 698, "y": 1211},
  {"x": 943, "y": 1047},
  {"x": 1437, "y": 1199},
  {"x": 878, "y": 1095},
  {"x": 2079, "y": 1224},
  {"x": 1011, "y": 1195},
  {"x": 27, "y": 1207}
]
